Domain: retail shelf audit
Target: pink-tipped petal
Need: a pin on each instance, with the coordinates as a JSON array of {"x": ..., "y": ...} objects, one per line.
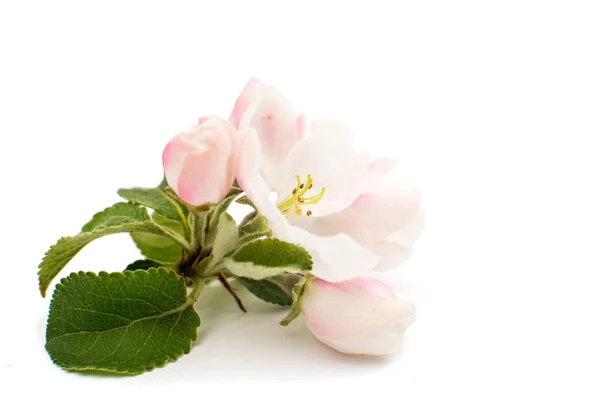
[
  {"x": 200, "y": 162},
  {"x": 246, "y": 97},
  {"x": 360, "y": 316},
  {"x": 263, "y": 108}
]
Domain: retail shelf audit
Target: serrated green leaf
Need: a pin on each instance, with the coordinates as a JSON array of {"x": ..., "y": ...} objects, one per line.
[
  {"x": 254, "y": 228},
  {"x": 264, "y": 258},
  {"x": 118, "y": 215},
  {"x": 160, "y": 248},
  {"x": 125, "y": 323},
  {"x": 143, "y": 264},
  {"x": 121, "y": 217},
  {"x": 226, "y": 238},
  {"x": 158, "y": 200},
  {"x": 267, "y": 291}
]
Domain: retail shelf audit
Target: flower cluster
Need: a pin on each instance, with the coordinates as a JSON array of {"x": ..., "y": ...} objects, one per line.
[
  {"x": 323, "y": 216},
  {"x": 352, "y": 213}
]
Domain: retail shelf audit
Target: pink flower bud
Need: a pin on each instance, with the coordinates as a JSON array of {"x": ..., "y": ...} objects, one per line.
[
  {"x": 358, "y": 316},
  {"x": 200, "y": 162}
]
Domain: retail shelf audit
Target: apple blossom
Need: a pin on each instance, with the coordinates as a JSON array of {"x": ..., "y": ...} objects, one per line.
[
  {"x": 199, "y": 162},
  {"x": 333, "y": 175},
  {"x": 386, "y": 217},
  {"x": 345, "y": 205},
  {"x": 358, "y": 316}
]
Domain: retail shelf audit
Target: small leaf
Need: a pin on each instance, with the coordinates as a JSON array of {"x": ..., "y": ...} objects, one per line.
[
  {"x": 226, "y": 238},
  {"x": 245, "y": 201},
  {"x": 125, "y": 323},
  {"x": 158, "y": 200},
  {"x": 255, "y": 228},
  {"x": 121, "y": 217},
  {"x": 158, "y": 247},
  {"x": 267, "y": 291},
  {"x": 213, "y": 216},
  {"x": 143, "y": 264},
  {"x": 268, "y": 257},
  {"x": 296, "y": 310}
]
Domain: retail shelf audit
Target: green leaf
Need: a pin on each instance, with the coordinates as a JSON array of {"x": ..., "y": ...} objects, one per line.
[
  {"x": 267, "y": 291},
  {"x": 118, "y": 215},
  {"x": 158, "y": 247},
  {"x": 226, "y": 238},
  {"x": 254, "y": 228},
  {"x": 125, "y": 323},
  {"x": 214, "y": 216},
  {"x": 245, "y": 201},
  {"x": 296, "y": 310},
  {"x": 268, "y": 257},
  {"x": 121, "y": 217},
  {"x": 158, "y": 200},
  {"x": 143, "y": 264}
]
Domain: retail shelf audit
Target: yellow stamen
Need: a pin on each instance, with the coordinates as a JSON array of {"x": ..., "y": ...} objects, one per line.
[{"x": 292, "y": 203}]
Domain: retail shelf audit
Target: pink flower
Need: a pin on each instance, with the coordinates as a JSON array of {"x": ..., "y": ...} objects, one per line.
[
  {"x": 359, "y": 316},
  {"x": 200, "y": 162}
]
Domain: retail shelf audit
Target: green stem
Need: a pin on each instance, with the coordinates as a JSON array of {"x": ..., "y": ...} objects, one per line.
[
  {"x": 197, "y": 229},
  {"x": 198, "y": 286}
]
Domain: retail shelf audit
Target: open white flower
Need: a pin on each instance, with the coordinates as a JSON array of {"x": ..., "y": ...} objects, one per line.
[
  {"x": 327, "y": 187},
  {"x": 386, "y": 217},
  {"x": 330, "y": 198}
]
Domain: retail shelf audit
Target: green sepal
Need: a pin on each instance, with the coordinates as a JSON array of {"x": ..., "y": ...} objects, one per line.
[
  {"x": 254, "y": 227},
  {"x": 213, "y": 216},
  {"x": 125, "y": 323},
  {"x": 296, "y": 309},
  {"x": 245, "y": 201},
  {"x": 226, "y": 238}
]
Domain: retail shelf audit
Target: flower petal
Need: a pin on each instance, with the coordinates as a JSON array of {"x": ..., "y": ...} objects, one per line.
[
  {"x": 335, "y": 166},
  {"x": 199, "y": 162},
  {"x": 174, "y": 156},
  {"x": 360, "y": 316},
  {"x": 263, "y": 108},
  {"x": 253, "y": 184},
  {"x": 335, "y": 258}
]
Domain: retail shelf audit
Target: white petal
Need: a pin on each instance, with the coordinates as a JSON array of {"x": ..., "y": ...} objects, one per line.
[
  {"x": 273, "y": 118},
  {"x": 335, "y": 166},
  {"x": 251, "y": 181},
  {"x": 335, "y": 258}
]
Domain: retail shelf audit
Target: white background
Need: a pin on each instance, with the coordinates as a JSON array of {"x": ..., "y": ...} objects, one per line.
[{"x": 493, "y": 106}]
